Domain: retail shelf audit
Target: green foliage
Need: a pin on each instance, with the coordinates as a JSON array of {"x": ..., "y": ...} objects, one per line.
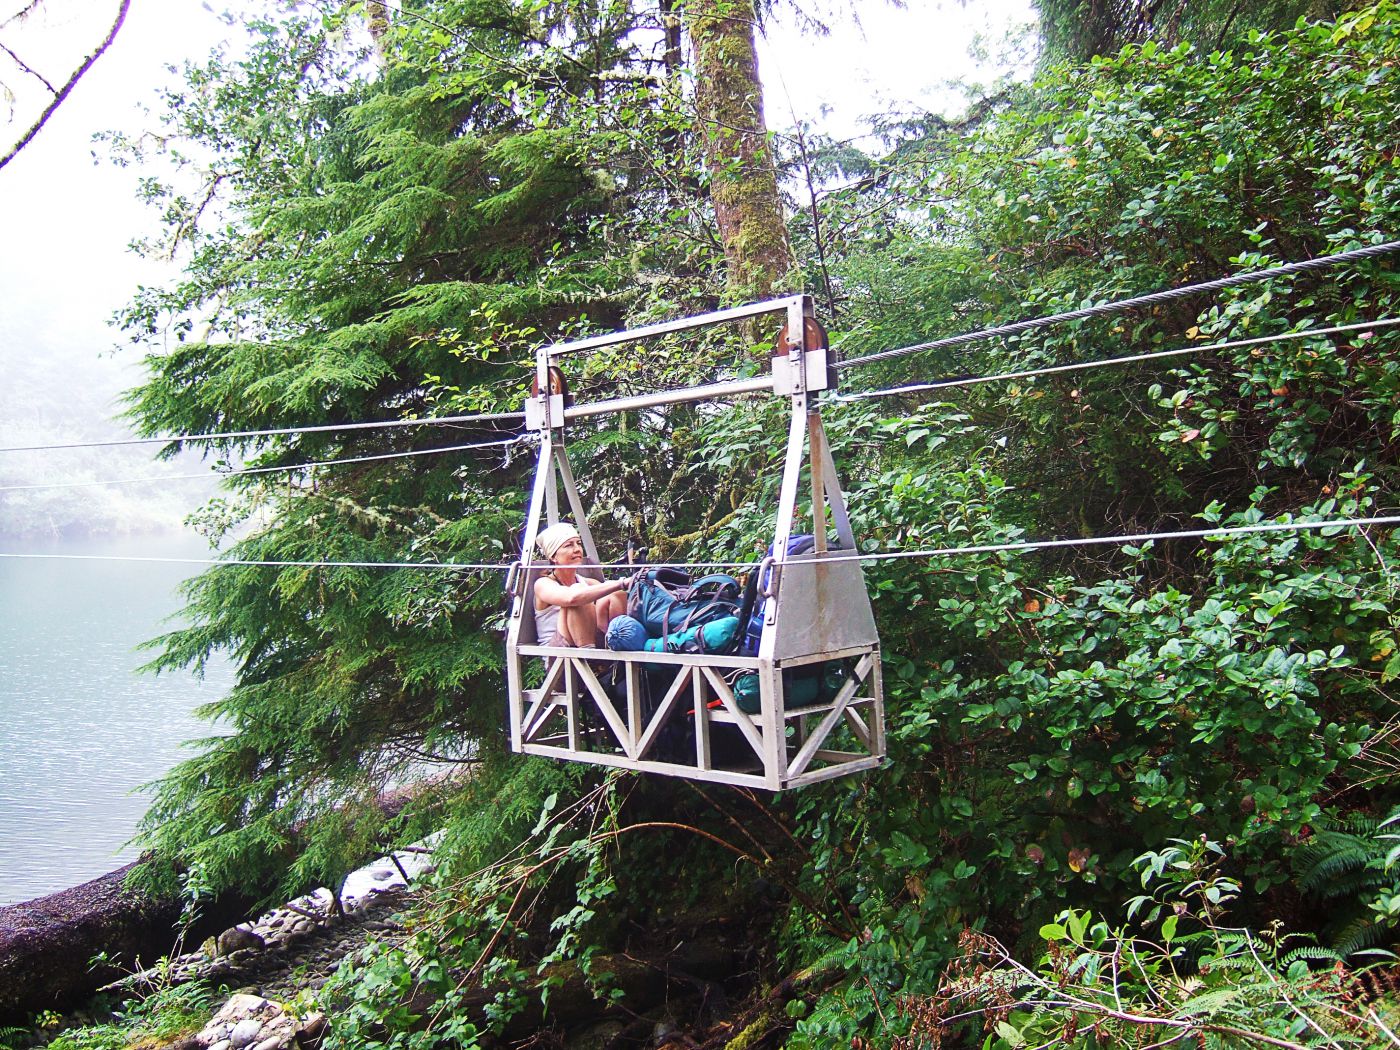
[
  {"x": 398, "y": 243},
  {"x": 1185, "y": 976},
  {"x": 395, "y": 246},
  {"x": 1053, "y": 716},
  {"x": 160, "y": 1016},
  {"x": 1077, "y": 30},
  {"x": 518, "y": 908},
  {"x": 1349, "y": 863}
]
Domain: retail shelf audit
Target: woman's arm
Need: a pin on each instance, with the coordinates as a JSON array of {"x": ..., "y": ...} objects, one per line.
[{"x": 549, "y": 591}]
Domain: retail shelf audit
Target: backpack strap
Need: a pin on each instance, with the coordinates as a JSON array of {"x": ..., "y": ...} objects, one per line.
[{"x": 718, "y": 582}]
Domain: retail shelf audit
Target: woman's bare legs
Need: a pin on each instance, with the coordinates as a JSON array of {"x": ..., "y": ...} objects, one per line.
[
  {"x": 581, "y": 624},
  {"x": 576, "y": 623},
  {"x": 607, "y": 609}
]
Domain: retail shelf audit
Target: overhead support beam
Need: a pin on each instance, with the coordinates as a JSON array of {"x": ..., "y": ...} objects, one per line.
[
  {"x": 684, "y": 324},
  {"x": 712, "y": 392}
]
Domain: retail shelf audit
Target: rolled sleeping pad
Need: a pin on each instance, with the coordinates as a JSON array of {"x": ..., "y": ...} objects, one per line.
[
  {"x": 799, "y": 689},
  {"x": 717, "y": 636},
  {"x": 627, "y": 634}
]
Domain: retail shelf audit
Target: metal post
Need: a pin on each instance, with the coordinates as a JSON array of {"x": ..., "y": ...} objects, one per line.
[{"x": 814, "y": 430}]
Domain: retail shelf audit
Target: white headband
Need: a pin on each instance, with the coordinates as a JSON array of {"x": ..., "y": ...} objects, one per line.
[{"x": 551, "y": 539}]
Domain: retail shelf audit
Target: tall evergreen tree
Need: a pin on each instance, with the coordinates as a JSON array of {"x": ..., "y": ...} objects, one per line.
[
  {"x": 1077, "y": 30},
  {"x": 394, "y": 242},
  {"x": 743, "y": 178}
]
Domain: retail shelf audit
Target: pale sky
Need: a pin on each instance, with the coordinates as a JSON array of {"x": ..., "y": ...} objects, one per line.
[{"x": 65, "y": 220}]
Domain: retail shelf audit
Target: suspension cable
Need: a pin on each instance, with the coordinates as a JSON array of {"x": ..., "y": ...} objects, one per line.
[
  {"x": 180, "y": 439},
  {"x": 1133, "y": 538},
  {"x": 288, "y": 468},
  {"x": 1017, "y": 546},
  {"x": 941, "y": 384},
  {"x": 1120, "y": 305}
]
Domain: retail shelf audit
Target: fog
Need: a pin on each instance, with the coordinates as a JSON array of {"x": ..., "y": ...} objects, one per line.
[{"x": 66, "y": 217}]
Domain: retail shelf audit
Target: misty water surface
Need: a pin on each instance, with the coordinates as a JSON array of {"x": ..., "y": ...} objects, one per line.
[{"x": 80, "y": 730}]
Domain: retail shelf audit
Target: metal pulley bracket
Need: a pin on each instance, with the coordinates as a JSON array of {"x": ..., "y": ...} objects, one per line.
[
  {"x": 539, "y": 416},
  {"x": 817, "y": 373}
]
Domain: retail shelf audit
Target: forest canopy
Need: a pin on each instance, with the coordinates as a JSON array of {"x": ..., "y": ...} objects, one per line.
[{"x": 1166, "y": 752}]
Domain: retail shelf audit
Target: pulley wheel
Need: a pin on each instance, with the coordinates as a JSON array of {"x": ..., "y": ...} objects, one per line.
[
  {"x": 813, "y": 331},
  {"x": 557, "y": 385}
]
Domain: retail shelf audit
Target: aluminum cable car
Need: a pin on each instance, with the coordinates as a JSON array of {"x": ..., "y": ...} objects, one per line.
[{"x": 677, "y": 713}]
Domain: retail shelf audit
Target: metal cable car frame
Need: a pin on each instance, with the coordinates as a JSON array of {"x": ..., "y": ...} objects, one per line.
[{"x": 817, "y": 610}]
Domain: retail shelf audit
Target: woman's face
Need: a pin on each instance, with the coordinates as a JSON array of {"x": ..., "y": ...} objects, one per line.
[{"x": 570, "y": 553}]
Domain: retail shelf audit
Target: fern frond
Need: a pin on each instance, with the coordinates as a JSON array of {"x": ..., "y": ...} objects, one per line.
[
  {"x": 1362, "y": 933},
  {"x": 1312, "y": 953},
  {"x": 1209, "y": 1002}
]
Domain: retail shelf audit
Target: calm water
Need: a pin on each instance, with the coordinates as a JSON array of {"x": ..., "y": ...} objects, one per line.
[{"x": 80, "y": 730}]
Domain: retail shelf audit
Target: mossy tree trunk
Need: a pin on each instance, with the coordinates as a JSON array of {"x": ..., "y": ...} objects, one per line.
[
  {"x": 743, "y": 178},
  {"x": 377, "y": 19}
]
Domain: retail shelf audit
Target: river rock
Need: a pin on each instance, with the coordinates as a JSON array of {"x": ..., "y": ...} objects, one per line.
[
  {"x": 238, "y": 1022},
  {"x": 237, "y": 938},
  {"x": 244, "y": 1032},
  {"x": 313, "y": 1026}
]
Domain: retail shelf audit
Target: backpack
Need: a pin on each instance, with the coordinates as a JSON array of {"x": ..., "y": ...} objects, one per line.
[
  {"x": 666, "y": 602},
  {"x": 753, "y": 607}
]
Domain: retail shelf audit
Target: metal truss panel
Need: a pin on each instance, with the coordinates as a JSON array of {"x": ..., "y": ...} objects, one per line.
[
  {"x": 659, "y": 659},
  {"x": 670, "y": 769},
  {"x": 854, "y": 764}
]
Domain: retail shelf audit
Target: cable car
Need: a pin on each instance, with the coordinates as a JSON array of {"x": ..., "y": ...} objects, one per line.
[{"x": 677, "y": 713}]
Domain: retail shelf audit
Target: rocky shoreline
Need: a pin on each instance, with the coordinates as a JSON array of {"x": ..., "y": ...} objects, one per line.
[
  {"x": 274, "y": 964},
  {"x": 271, "y": 971},
  {"x": 297, "y": 947}
]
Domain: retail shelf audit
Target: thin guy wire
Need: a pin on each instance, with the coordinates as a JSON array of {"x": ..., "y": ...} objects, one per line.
[
  {"x": 934, "y": 552},
  {"x": 254, "y": 563},
  {"x": 180, "y": 439},
  {"x": 1127, "y": 304},
  {"x": 264, "y": 470},
  {"x": 914, "y": 388}
]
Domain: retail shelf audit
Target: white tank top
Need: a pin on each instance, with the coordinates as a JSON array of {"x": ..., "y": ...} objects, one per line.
[{"x": 546, "y": 623}]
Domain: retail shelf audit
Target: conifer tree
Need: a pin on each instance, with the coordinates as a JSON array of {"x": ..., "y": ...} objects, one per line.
[
  {"x": 743, "y": 178},
  {"x": 395, "y": 240}
]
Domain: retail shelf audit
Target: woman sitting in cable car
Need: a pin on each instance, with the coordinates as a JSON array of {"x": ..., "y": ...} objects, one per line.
[{"x": 569, "y": 610}]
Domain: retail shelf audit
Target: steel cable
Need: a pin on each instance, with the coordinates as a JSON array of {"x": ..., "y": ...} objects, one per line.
[
  {"x": 1015, "y": 546},
  {"x": 288, "y": 468},
  {"x": 326, "y": 428},
  {"x": 1117, "y": 306},
  {"x": 1029, "y": 373}
]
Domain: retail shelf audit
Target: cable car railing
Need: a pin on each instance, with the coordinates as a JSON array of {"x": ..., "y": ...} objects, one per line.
[{"x": 751, "y": 719}]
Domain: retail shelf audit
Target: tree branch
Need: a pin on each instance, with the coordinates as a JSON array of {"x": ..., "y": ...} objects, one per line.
[
  {"x": 63, "y": 92},
  {"x": 26, "y": 68},
  {"x": 22, "y": 13}
]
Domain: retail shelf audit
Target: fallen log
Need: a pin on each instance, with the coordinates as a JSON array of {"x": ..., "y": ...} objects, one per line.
[{"x": 56, "y": 951}]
